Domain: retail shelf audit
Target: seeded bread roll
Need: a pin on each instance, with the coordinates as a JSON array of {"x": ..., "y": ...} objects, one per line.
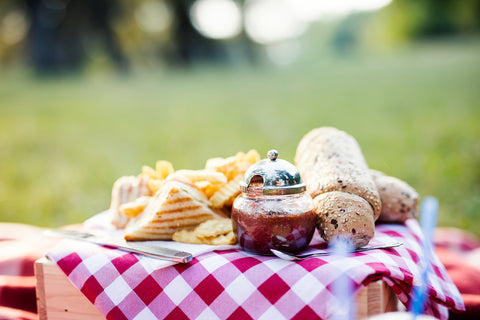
[
  {"x": 346, "y": 215},
  {"x": 337, "y": 177},
  {"x": 331, "y": 160},
  {"x": 399, "y": 200}
]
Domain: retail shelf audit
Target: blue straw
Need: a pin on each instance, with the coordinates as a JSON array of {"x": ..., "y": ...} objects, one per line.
[
  {"x": 342, "y": 288},
  {"x": 428, "y": 222}
]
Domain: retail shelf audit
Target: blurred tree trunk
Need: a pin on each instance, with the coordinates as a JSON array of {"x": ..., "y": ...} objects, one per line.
[
  {"x": 189, "y": 46},
  {"x": 60, "y": 28}
]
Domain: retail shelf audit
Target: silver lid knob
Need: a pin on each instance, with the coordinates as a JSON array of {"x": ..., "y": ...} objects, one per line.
[{"x": 272, "y": 155}]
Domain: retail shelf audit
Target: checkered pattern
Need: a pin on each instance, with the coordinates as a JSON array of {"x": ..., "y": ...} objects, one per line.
[{"x": 233, "y": 284}]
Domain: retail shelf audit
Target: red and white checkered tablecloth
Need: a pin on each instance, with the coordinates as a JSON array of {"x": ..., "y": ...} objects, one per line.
[{"x": 233, "y": 284}]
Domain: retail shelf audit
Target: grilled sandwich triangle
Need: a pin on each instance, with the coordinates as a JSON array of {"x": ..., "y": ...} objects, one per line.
[{"x": 175, "y": 206}]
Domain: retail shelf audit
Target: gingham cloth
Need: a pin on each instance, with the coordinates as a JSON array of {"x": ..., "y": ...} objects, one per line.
[{"x": 232, "y": 284}]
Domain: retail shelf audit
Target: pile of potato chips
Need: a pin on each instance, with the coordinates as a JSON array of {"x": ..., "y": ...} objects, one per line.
[
  {"x": 214, "y": 232},
  {"x": 219, "y": 181}
]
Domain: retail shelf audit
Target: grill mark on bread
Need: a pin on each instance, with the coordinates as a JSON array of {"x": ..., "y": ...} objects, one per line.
[
  {"x": 179, "y": 210},
  {"x": 162, "y": 219}
]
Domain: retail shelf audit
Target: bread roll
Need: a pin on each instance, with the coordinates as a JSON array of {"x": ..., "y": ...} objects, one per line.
[
  {"x": 346, "y": 215},
  {"x": 399, "y": 200},
  {"x": 337, "y": 177}
]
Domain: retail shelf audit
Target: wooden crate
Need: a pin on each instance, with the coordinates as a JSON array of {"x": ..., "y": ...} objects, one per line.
[{"x": 58, "y": 298}]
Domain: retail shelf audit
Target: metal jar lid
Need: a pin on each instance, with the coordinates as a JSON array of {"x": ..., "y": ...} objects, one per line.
[{"x": 273, "y": 176}]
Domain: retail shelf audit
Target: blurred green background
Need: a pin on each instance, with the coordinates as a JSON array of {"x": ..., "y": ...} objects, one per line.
[{"x": 93, "y": 90}]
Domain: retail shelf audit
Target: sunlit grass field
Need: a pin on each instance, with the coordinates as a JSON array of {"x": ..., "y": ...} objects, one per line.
[{"x": 415, "y": 113}]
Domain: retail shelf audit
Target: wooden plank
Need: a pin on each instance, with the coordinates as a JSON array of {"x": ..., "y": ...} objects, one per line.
[
  {"x": 58, "y": 298},
  {"x": 362, "y": 306},
  {"x": 378, "y": 298},
  {"x": 390, "y": 300},
  {"x": 40, "y": 289}
]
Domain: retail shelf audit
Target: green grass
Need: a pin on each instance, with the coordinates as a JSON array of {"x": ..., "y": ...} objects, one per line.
[{"x": 415, "y": 113}]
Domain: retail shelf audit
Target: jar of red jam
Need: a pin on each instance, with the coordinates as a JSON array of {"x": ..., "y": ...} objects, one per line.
[{"x": 273, "y": 211}]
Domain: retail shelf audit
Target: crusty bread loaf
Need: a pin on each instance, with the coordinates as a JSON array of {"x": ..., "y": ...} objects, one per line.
[
  {"x": 399, "y": 199},
  {"x": 346, "y": 215},
  {"x": 331, "y": 160},
  {"x": 337, "y": 177},
  {"x": 174, "y": 207}
]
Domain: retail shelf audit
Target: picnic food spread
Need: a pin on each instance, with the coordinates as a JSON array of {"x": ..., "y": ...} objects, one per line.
[
  {"x": 274, "y": 210},
  {"x": 199, "y": 207}
]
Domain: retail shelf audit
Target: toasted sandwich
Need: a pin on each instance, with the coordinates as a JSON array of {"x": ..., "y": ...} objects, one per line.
[
  {"x": 175, "y": 206},
  {"x": 125, "y": 190}
]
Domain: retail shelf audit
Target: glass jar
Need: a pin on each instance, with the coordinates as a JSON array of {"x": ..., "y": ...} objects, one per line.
[{"x": 273, "y": 211}]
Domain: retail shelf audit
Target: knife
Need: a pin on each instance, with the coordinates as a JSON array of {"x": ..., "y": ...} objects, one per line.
[{"x": 130, "y": 246}]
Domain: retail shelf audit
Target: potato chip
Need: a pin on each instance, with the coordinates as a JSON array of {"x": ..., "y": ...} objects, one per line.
[
  {"x": 203, "y": 175},
  {"x": 239, "y": 169},
  {"x": 252, "y": 156},
  {"x": 207, "y": 187},
  {"x": 220, "y": 164},
  {"x": 226, "y": 192},
  {"x": 229, "y": 202},
  {"x": 212, "y": 232},
  {"x": 186, "y": 236},
  {"x": 202, "y": 184},
  {"x": 152, "y": 173},
  {"x": 134, "y": 208},
  {"x": 154, "y": 185},
  {"x": 213, "y": 228},
  {"x": 231, "y": 167},
  {"x": 224, "y": 239},
  {"x": 163, "y": 168}
]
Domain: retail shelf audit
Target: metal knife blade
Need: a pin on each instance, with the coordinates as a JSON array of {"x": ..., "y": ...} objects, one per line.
[{"x": 130, "y": 246}]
